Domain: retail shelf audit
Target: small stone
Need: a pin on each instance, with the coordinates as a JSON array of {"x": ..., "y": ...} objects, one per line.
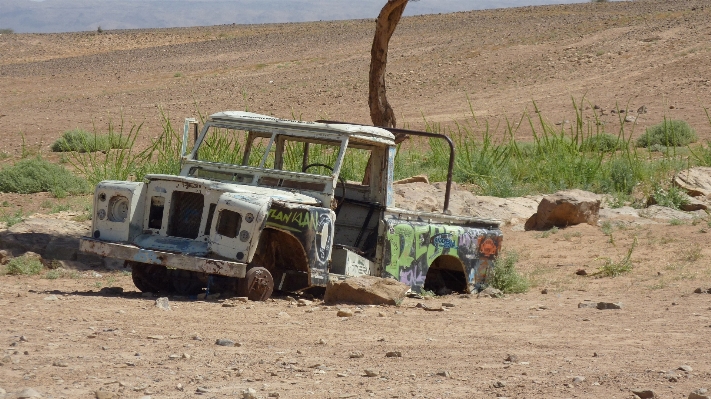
[
  {"x": 145, "y": 397},
  {"x": 51, "y": 298},
  {"x": 344, "y": 313},
  {"x": 356, "y": 355},
  {"x": 225, "y": 342},
  {"x": 322, "y": 341},
  {"x": 303, "y": 302},
  {"x": 630, "y": 118},
  {"x": 447, "y": 305},
  {"x": 197, "y": 337},
  {"x": 273, "y": 395},
  {"x": 163, "y": 303},
  {"x": 498, "y": 384},
  {"x": 179, "y": 387},
  {"x": 644, "y": 393},
  {"x": 609, "y": 305},
  {"x": 578, "y": 380},
  {"x": 27, "y": 393},
  {"x": 581, "y": 272},
  {"x": 701, "y": 393},
  {"x": 544, "y": 291},
  {"x": 382, "y": 314},
  {"x": 186, "y": 356},
  {"x": 249, "y": 393},
  {"x": 58, "y": 363},
  {"x": 685, "y": 368},
  {"x": 202, "y": 390},
  {"x": 242, "y": 299},
  {"x": 23, "y": 338},
  {"x": 444, "y": 373},
  {"x": 342, "y": 375},
  {"x": 156, "y": 337},
  {"x": 371, "y": 373},
  {"x": 511, "y": 358},
  {"x": 490, "y": 292},
  {"x": 393, "y": 354},
  {"x": 587, "y": 305},
  {"x": 283, "y": 315},
  {"x": 104, "y": 394}
]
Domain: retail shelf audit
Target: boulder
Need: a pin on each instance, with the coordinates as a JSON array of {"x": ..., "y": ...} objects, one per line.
[
  {"x": 366, "y": 290},
  {"x": 565, "y": 208},
  {"x": 51, "y": 238},
  {"x": 695, "y": 181}
]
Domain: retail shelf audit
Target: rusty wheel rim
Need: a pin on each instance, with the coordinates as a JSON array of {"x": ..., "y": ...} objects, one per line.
[{"x": 258, "y": 284}]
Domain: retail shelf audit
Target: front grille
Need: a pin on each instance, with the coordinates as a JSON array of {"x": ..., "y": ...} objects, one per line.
[{"x": 185, "y": 214}]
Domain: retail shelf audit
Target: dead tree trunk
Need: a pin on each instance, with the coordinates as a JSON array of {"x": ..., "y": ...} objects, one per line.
[{"x": 381, "y": 113}]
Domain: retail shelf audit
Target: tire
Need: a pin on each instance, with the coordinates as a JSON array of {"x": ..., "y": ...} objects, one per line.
[
  {"x": 257, "y": 284},
  {"x": 149, "y": 278},
  {"x": 186, "y": 282}
]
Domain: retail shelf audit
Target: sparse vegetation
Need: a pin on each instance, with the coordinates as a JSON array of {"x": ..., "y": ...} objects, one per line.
[
  {"x": 82, "y": 141},
  {"x": 505, "y": 277},
  {"x": 24, "y": 265},
  {"x": 614, "y": 269},
  {"x": 6, "y": 31},
  {"x": 672, "y": 197},
  {"x": 694, "y": 253},
  {"x": 11, "y": 218},
  {"x": 670, "y": 133},
  {"x": 36, "y": 175}
]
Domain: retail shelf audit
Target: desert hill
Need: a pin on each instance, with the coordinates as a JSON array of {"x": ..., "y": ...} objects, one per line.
[{"x": 617, "y": 54}]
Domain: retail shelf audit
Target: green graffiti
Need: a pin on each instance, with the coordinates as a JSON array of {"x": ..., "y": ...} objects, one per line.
[
  {"x": 410, "y": 244},
  {"x": 291, "y": 220}
]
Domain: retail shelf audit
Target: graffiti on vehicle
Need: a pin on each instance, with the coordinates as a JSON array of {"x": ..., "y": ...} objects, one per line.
[
  {"x": 291, "y": 220},
  {"x": 313, "y": 227},
  {"x": 412, "y": 247}
]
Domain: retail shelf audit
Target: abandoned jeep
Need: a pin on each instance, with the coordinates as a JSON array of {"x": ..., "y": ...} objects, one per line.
[{"x": 263, "y": 203}]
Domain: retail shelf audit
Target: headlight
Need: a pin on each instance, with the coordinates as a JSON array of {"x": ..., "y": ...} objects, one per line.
[{"x": 118, "y": 208}]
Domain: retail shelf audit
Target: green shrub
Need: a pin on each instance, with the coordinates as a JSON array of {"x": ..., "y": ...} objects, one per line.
[
  {"x": 602, "y": 142},
  {"x": 82, "y": 141},
  {"x": 670, "y": 133},
  {"x": 11, "y": 219},
  {"x": 673, "y": 197},
  {"x": 36, "y": 175},
  {"x": 505, "y": 277},
  {"x": 24, "y": 265},
  {"x": 614, "y": 269},
  {"x": 6, "y": 31}
]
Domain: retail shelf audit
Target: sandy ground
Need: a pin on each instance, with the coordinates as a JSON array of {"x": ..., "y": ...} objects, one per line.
[{"x": 78, "y": 339}]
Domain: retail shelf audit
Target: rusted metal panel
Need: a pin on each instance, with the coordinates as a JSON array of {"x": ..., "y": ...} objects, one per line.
[
  {"x": 431, "y": 217},
  {"x": 410, "y": 248},
  {"x": 170, "y": 260}
]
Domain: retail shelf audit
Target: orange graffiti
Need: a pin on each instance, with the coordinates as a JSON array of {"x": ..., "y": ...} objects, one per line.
[{"x": 488, "y": 247}]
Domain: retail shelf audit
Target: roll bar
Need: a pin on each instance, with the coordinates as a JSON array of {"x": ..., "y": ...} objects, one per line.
[{"x": 408, "y": 132}]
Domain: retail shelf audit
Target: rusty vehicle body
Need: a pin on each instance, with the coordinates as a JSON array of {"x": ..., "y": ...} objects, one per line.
[{"x": 261, "y": 203}]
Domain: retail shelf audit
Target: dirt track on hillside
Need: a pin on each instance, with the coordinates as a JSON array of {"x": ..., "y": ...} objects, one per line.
[{"x": 78, "y": 340}]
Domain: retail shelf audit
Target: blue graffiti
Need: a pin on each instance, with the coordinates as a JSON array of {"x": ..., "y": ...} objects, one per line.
[{"x": 443, "y": 241}]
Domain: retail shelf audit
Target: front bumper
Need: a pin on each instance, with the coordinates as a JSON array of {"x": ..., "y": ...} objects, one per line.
[{"x": 170, "y": 260}]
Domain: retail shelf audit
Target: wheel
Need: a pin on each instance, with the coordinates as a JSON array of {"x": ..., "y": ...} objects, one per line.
[
  {"x": 257, "y": 284},
  {"x": 149, "y": 278},
  {"x": 340, "y": 179},
  {"x": 186, "y": 282}
]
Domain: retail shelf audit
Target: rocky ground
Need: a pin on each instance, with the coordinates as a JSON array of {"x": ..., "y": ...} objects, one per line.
[{"x": 89, "y": 330}]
